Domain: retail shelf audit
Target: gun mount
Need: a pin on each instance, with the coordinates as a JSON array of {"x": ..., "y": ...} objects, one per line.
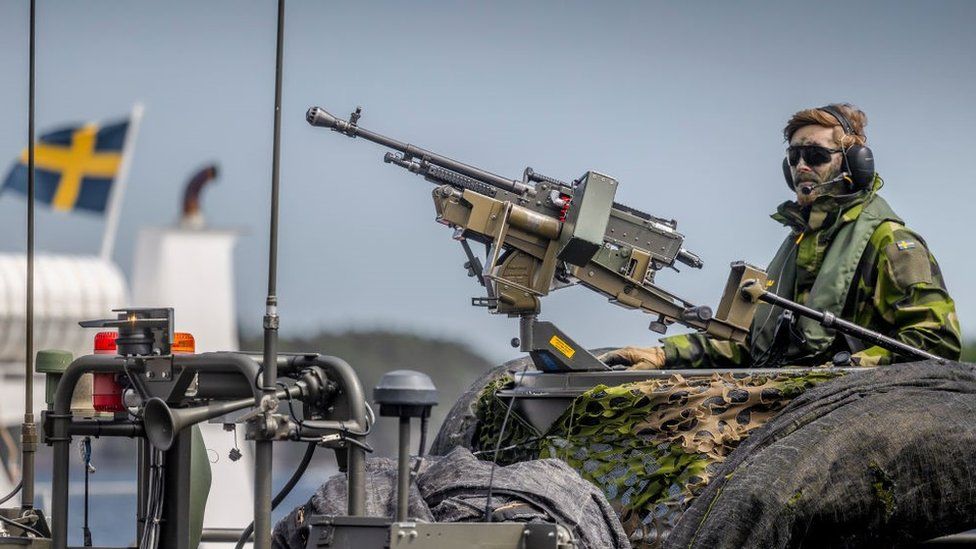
[{"x": 542, "y": 234}]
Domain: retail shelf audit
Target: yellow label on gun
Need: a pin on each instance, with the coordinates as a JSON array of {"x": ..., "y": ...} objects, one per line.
[{"x": 562, "y": 346}]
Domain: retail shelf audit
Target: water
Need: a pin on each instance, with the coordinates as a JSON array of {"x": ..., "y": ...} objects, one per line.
[{"x": 112, "y": 500}]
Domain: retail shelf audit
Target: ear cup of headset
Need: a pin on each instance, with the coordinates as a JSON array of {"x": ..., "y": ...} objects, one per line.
[
  {"x": 858, "y": 159},
  {"x": 788, "y": 174},
  {"x": 860, "y": 164}
]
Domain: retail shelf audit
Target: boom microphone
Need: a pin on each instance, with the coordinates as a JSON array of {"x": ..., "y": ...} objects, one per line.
[{"x": 807, "y": 189}]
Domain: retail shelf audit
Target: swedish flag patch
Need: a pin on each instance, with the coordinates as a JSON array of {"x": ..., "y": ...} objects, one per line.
[{"x": 905, "y": 245}]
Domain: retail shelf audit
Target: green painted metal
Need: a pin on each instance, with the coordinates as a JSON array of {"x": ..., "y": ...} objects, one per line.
[{"x": 52, "y": 363}]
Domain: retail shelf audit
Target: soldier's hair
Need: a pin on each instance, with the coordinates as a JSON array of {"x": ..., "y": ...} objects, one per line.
[{"x": 818, "y": 117}]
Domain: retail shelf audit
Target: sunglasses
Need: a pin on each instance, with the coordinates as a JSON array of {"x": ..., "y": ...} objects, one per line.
[{"x": 813, "y": 155}]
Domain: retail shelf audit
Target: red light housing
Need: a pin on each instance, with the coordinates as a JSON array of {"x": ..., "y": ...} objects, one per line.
[
  {"x": 106, "y": 391},
  {"x": 105, "y": 343}
]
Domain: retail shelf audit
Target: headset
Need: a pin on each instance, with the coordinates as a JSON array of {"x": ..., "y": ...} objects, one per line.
[{"x": 858, "y": 159}]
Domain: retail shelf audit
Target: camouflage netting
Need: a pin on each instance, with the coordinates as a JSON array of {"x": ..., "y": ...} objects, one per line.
[
  {"x": 650, "y": 446},
  {"x": 462, "y": 421},
  {"x": 885, "y": 458}
]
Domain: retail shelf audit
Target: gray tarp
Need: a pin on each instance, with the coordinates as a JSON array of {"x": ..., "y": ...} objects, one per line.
[
  {"x": 453, "y": 488},
  {"x": 884, "y": 458}
]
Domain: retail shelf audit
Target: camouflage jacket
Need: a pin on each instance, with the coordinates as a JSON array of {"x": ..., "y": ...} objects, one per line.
[{"x": 897, "y": 290}]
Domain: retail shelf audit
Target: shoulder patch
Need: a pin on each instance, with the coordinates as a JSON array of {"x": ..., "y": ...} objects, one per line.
[{"x": 908, "y": 263}]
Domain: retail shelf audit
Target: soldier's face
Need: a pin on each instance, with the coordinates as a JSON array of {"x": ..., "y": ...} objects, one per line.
[{"x": 805, "y": 176}]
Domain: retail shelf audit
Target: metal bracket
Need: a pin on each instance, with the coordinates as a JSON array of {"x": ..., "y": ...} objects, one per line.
[
  {"x": 659, "y": 326},
  {"x": 159, "y": 369},
  {"x": 355, "y": 116},
  {"x": 479, "y": 535},
  {"x": 473, "y": 264},
  {"x": 554, "y": 351},
  {"x": 499, "y": 239}
]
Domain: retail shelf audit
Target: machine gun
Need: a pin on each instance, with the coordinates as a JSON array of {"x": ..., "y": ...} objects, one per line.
[{"x": 543, "y": 234}]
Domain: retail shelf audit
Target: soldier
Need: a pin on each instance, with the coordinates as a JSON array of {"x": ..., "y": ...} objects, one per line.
[{"x": 847, "y": 253}]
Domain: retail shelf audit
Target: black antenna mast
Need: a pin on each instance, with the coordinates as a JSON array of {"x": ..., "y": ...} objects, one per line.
[
  {"x": 28, "y": 437},
  {"x": 263, "y": 444}
]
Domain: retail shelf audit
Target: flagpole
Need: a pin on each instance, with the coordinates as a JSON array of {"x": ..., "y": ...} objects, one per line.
[{"x": 118, "y": 188}]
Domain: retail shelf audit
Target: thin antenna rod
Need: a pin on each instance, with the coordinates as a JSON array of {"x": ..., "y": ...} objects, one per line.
[
  {"x": 275, "y": 159},
  {"x": 263, "y": 443},
  {"x": 28, "y": 437}
]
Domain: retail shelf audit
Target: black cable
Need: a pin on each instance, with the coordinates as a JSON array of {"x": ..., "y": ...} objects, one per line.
[
  {"x": 423, "y": 443},
  {"x": 423, "y": 436},
  {"x": 342, "y": 429},
  {"x": 522, "y": 444},
  {"x": 359, "y": 443},
  {"x": 257, "y": 376},
  {"x": 343, "y": 433},
  {"x": 283, "y": 493},
  {"x": 86, "y": 455},
  {"x": 155, "y": 496},
  {"x": 370, "y": 416},
  {"x": 295, "y": 477},
  {"x": 291, "y": 409},
  {"x": 11, "y": 522},
  {"x": 12, "y": 493},
  {"x": 494, "y": 459}
]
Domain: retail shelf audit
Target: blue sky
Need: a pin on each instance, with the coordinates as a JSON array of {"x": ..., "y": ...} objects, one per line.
[{"x": 683, "y": 103}]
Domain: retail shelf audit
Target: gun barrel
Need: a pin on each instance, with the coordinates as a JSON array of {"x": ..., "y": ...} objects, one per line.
[
  {"x": 317, "y": 116},
  {"x": 690, "y": 259}
]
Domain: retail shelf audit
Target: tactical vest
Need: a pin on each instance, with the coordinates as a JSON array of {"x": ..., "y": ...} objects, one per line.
[{"x": 830, "y": 290}]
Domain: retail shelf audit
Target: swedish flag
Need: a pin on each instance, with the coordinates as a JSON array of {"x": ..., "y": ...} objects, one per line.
[{"x": 74, "y": 167}]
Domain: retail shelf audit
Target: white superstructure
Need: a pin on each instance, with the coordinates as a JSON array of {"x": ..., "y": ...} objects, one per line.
[
  {"x": 67, "y": 289},
  {"x": 189, "y": 269},
  {"x": 192, "y": 270}
]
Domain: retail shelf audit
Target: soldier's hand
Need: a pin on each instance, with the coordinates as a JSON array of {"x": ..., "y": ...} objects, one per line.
[{"x": 637, "y": 358}]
